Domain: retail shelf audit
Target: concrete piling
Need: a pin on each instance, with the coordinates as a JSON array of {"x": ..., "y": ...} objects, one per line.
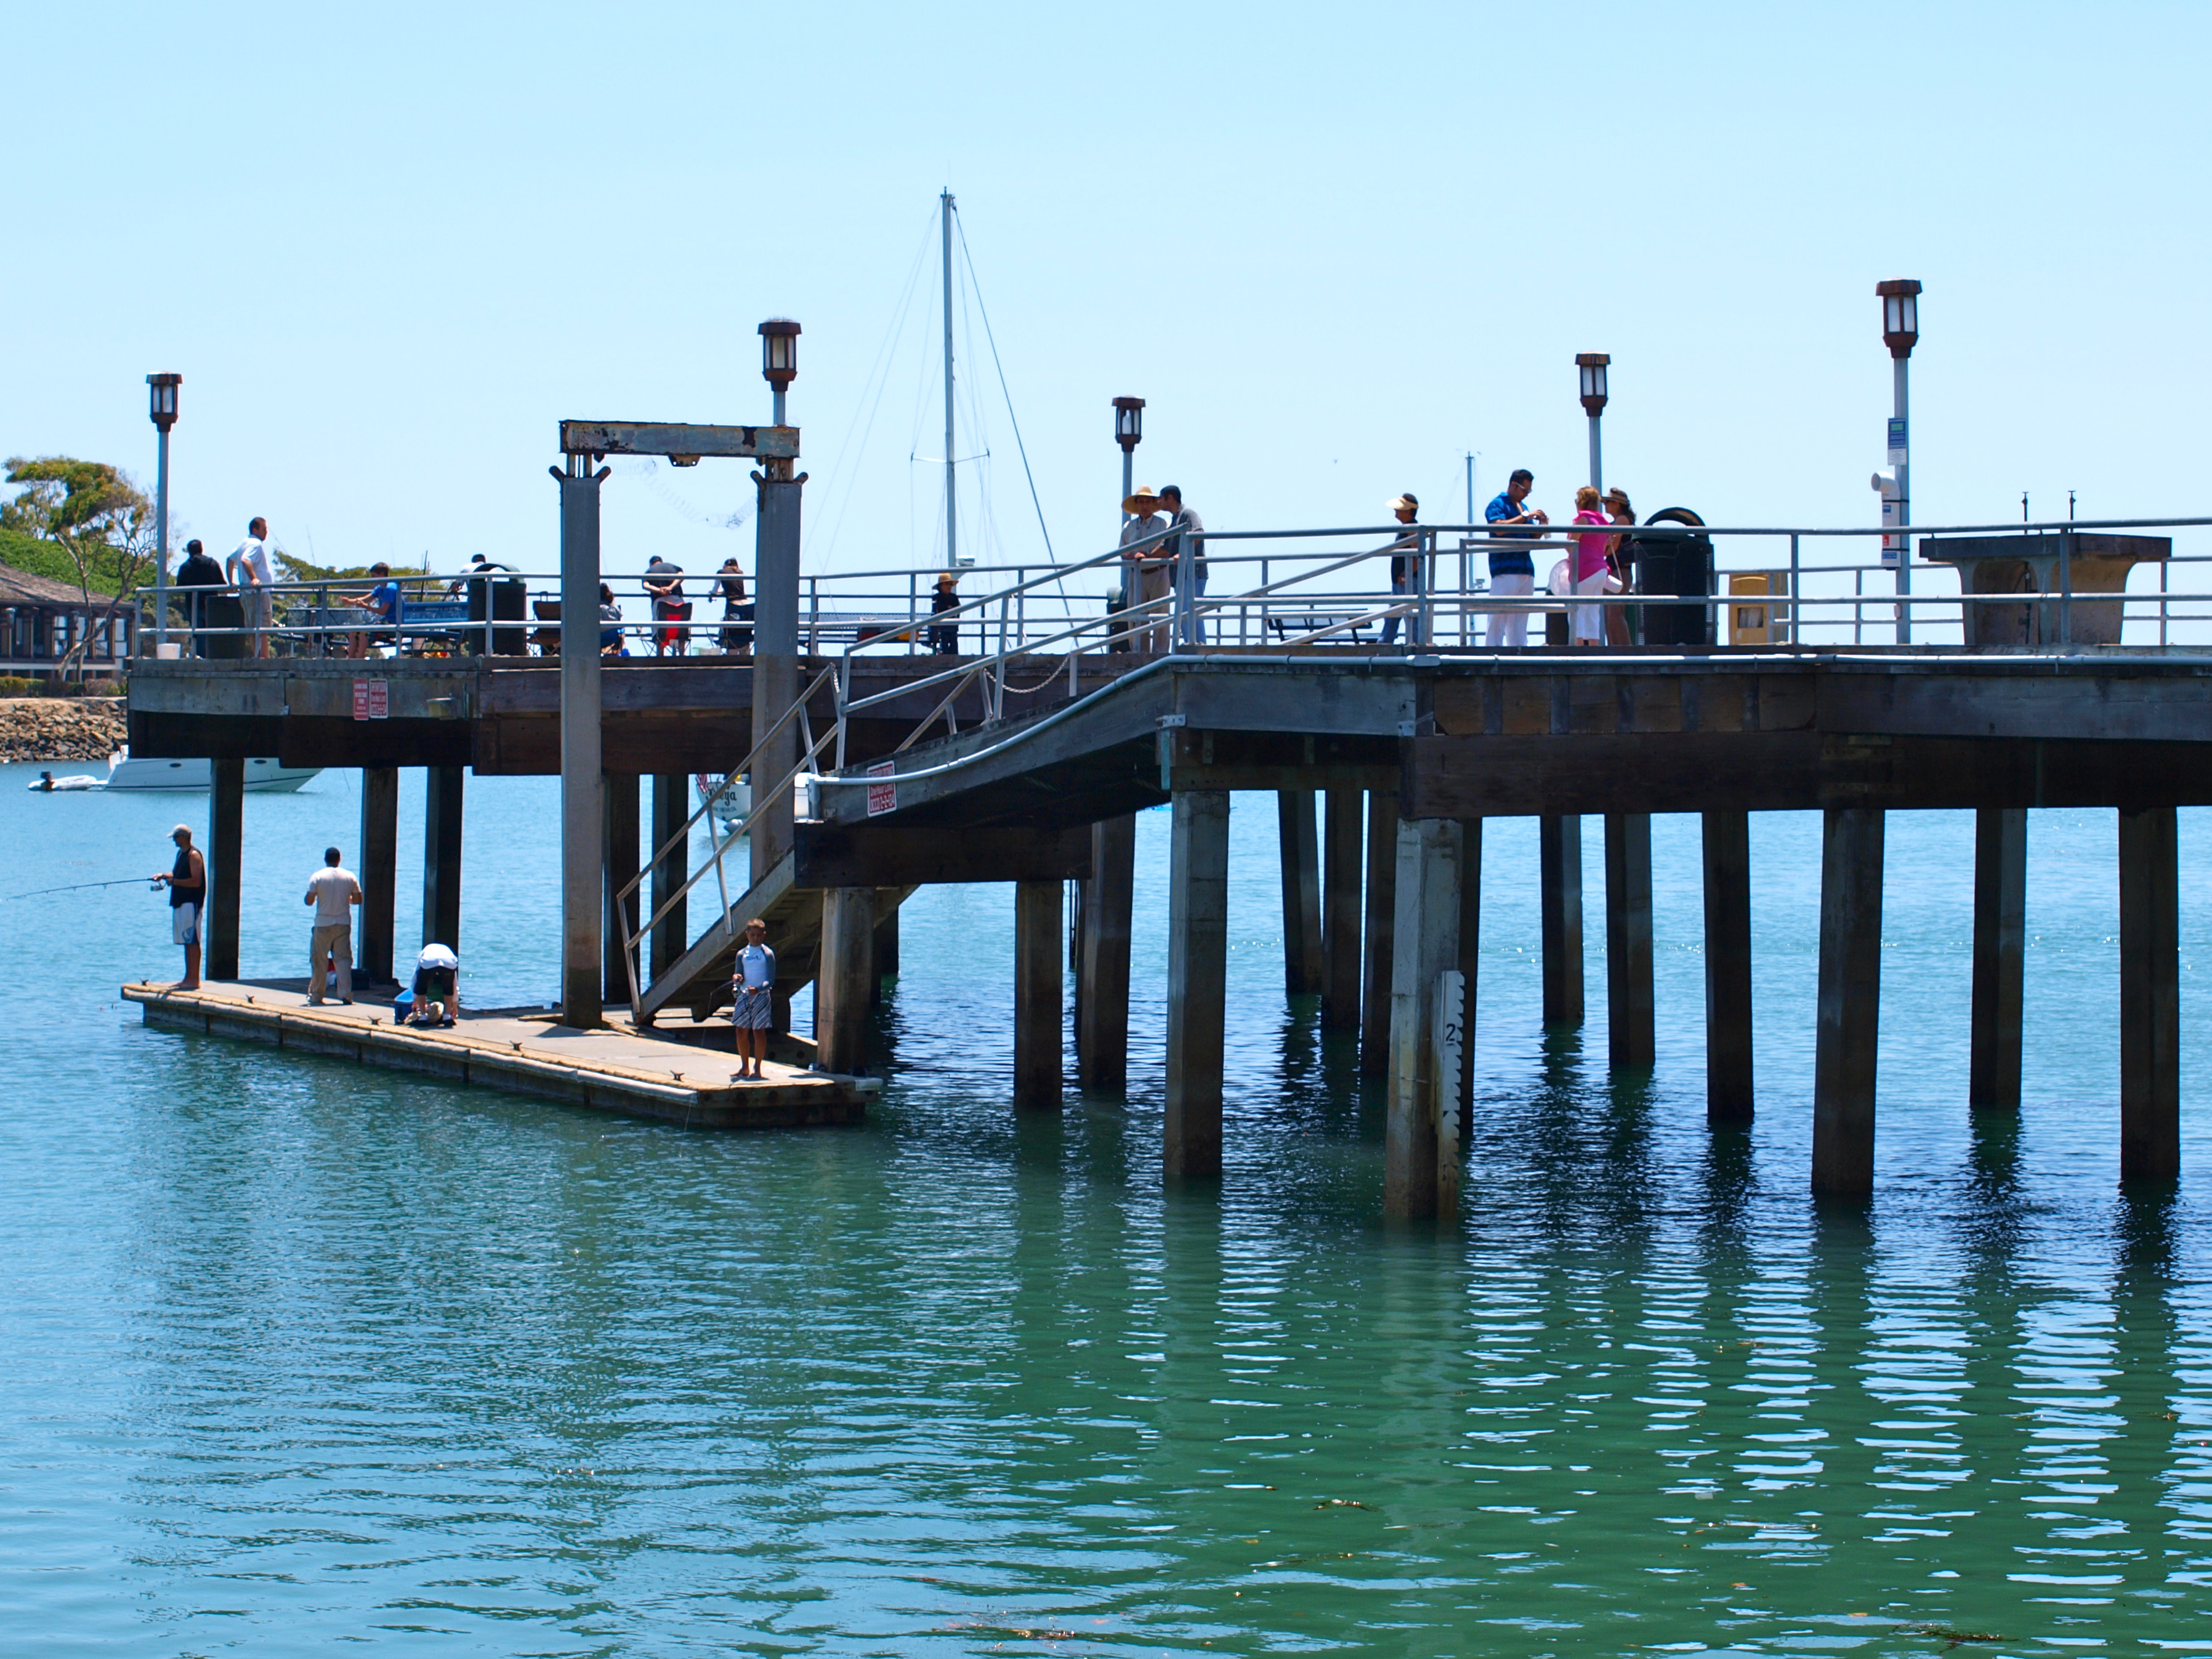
[
  {"x": 1382, "y": 910},
  {"x": 672, "y": 808},
  {"x": 620, "y": 792},
  {"x": 1630, "y": 1038},
  {"x": 1424, "y": 945},
  {"x": 1198, "y": 963},
  {"x": 846, "y": 978},
  {"x": 2150, "y": 996},
  {"x": 222, "y": 856},
  {"x": 1848, "y": 1015},
  {"x": 1559, "y": 859},
  {"x": 1039, "y": 982},
  {"x": 2000, "y": 944},
  {"x": 379, "y": 881},
  {"x": 1303, "y": 971},
  {"x": 1102, "y": 1004},
  {"x": 1340, "y": 859},
  {"x": 1728, "y": 1091},
  {"x": 442, "y": 855}
]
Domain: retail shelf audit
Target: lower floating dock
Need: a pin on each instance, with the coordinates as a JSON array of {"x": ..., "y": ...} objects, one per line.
[{"x": 524, "y": 1052}]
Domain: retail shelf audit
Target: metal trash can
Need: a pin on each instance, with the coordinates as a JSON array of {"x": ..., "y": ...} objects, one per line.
[
  {"x": 1676, "y": 565},
  {"x": 505, "y": 599}
]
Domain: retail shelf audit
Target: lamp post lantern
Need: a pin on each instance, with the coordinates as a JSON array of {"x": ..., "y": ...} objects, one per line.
[
  {"x": 161, "y": 410},
  {"x": 1592, "y": 366},
  {"x": 1129, "y": 432},
  {"x": 779, "y": 358},
  {"x": 1900, "y": 332}
]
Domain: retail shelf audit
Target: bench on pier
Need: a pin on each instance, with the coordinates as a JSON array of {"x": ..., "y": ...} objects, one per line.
[{"x": 1296, "y": 627}]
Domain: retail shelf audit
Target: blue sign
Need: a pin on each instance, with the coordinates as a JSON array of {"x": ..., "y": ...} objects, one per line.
[{"x": 1896, "y": 432}]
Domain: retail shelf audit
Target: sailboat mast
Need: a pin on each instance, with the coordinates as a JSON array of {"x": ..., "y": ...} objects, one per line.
[{"x": 952, "y": 498}]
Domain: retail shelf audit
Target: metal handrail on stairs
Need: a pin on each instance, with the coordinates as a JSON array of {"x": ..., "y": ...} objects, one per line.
[{"x": 682, "y": 838}]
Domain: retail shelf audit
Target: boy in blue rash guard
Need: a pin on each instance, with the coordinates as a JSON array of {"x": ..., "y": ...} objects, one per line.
[{"x": 752, "y": 978}]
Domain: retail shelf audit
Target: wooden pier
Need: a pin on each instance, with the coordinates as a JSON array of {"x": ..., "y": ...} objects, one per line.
[
  {"x": 523, "y": 1051},
  {"x": 1384, "y": 765}
]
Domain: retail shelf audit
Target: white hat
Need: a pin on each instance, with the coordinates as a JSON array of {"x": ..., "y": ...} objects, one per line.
[{"x": 437, "y": 955}]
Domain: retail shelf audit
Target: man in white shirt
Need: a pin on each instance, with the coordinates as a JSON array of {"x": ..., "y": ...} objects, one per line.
[
  {"x": 248, "y": 569},
  {"x": 333, "y": 892}
]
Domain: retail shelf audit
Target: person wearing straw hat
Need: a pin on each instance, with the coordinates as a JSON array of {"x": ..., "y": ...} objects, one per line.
[
  {"x": 944, "y": 637},
  {"x": 1405, "y": 508},
  {"x": 1150, "y": 566}
]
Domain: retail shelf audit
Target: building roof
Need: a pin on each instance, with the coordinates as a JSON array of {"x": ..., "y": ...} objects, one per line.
[{"x": 24, "y": 588}]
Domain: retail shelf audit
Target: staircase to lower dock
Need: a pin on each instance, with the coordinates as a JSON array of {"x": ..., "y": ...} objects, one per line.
[{"x": 699, "y": 981}]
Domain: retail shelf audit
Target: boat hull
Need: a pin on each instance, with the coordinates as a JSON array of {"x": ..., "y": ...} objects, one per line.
[{"x": 263, "y": 776}]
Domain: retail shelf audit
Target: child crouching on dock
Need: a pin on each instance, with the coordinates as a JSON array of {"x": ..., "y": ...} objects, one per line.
[{"x": 753, "y": 980}]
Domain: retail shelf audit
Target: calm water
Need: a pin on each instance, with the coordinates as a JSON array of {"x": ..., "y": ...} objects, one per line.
[{"x": 292, "y": 1355}]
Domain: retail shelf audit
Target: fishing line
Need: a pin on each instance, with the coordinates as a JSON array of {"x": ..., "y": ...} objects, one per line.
[{"x": 83, "y": 886}]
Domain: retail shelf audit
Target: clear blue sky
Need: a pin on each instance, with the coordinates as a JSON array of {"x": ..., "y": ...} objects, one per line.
[{"x": 1335, "y": 247}]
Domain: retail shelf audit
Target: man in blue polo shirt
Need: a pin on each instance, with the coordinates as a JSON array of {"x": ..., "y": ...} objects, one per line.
[{"x": 1512, "y": 575}]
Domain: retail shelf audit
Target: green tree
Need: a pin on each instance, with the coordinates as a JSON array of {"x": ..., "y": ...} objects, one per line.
[{"x": 98, "y": 517}]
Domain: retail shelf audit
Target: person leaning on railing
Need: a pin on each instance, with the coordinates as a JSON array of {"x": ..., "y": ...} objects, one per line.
[
  {"x": 731, "y": 579},
  {"x": 1149, "y": 565},
  {"x": 198, "y": 571},
  {"x": 1405, "y": 508},
  {"x": 1618, "y": 630},
  {"x": 944, "y": 637}
]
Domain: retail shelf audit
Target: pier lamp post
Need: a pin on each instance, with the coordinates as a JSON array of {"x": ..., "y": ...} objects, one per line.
[
  {"x": 779, "y": 358},
  {"x": 1129, "y": 432},
  {"x": 161, "y": 410},
  {"x": 1900, "y": 331},
  {"x": 1593, "y": 366}
]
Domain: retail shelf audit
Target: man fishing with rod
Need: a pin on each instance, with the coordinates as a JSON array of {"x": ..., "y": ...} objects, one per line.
[{"x": 187, "y": 885}]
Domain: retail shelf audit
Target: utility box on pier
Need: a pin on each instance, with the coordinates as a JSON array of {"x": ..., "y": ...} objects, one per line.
[{"x": 1758, "y": 607}]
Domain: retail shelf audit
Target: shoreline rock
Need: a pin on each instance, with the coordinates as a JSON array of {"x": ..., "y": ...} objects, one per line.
[{"x": 46, "y": 729}]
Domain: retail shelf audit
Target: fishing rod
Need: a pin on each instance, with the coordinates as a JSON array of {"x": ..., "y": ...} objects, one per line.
[{"x": 79, "y": 888}]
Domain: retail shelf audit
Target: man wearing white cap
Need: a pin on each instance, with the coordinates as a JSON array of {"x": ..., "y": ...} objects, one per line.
[{"x": 1150, "y": 567}]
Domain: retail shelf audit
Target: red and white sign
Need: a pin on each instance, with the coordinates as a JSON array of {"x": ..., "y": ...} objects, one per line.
[
  {"x": 372, "y": 699},
  {"x": 882, "y": 797}
]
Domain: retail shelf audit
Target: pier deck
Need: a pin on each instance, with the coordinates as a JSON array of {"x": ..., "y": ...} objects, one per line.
[{"x": 616, "y": 1070}]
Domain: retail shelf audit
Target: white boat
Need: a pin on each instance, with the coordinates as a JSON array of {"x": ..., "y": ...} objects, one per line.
[
  {"x": 262, "y": 776},
  {"x": 734, "y": 803},
  {"x": 48, "y": 784}
]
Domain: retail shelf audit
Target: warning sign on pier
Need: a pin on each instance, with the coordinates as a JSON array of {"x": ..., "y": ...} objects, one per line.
[
  {"x": 882, "y": 797},
  {"x": 372, "y": 699}
]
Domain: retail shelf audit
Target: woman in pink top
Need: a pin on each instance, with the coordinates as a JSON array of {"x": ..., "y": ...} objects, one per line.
[{"x": 1587, "y": 623}]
